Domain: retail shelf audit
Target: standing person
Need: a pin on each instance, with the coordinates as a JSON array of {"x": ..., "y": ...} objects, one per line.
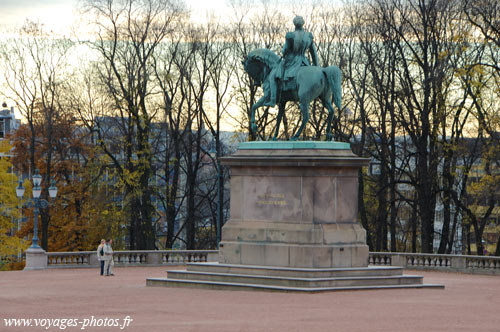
[
  {"x": 108, "y": 258},
  {"x": 100, "y": 254}
]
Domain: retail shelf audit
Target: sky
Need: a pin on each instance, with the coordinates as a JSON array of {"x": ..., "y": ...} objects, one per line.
[
  {"x": 59, "y": 15},
  {"x": 55, "y": 14}
]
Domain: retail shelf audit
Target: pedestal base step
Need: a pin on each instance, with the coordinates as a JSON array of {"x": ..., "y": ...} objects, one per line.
[
  {"x": 298, "y": 272},
  {"x": 264, "y": 278}
]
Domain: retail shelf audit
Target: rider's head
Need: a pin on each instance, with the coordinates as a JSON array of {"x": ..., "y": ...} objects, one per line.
[{"x": 298, "y": 21}]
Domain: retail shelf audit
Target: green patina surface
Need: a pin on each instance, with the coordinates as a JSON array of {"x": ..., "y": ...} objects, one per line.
[
  {"x": 292, "y": 77},
  {"x": 288, "y": 145}
]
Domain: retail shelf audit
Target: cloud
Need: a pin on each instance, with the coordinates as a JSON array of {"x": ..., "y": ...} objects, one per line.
[
  {"x": 13, "y": 13},
  {"x": 26, "y": 4}
]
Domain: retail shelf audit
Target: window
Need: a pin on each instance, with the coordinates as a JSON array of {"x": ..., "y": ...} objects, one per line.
[{"x": 2, "y": 128}]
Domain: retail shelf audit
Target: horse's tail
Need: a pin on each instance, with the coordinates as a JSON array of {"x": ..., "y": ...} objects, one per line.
[{"x": 334, "y": 76}]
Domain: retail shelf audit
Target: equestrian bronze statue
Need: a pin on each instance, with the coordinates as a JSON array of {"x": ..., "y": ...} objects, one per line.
[{"x": 293, "y": 78}]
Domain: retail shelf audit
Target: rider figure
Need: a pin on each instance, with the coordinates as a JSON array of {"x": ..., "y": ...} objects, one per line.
[{"x": 296, "y": 44}]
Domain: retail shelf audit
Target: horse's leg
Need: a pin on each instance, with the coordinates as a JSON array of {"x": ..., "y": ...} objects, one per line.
[
  {"x": 328, "y": 104},
  {"x": 259, "y": 103},
  {"x": 310, "y": 85},
  {"x": 304, "y": 107},
  {"x": 281, "y": 111}
]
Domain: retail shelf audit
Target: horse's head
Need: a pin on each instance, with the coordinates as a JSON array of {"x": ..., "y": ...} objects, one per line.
[
  {"x": 256, "y": 69},
  {"x": 259, "y": 63}
]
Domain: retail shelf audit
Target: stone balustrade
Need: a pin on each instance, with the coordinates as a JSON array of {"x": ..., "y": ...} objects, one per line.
[
  {"x": 131, "y": 258},
  {"x": 452, "y": 263},
  {"x": 80, "y": 258}
]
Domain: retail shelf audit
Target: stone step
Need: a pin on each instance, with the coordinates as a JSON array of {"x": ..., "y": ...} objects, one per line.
[
  {"x": 167, "y": 282},
  {"x": 295, "y": 272},
  {"x": 297, "y": 282}
]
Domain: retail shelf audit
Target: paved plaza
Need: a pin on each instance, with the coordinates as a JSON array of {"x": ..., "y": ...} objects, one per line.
[{"x": 468, "y": 303}]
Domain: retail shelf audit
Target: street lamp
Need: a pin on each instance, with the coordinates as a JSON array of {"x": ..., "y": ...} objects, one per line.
[
  {"x": 37, "y": 203},
  {"x": 375, "y": 168},
  {"x": 20, "y": 189},
  {"x": 53, "y": 189}
]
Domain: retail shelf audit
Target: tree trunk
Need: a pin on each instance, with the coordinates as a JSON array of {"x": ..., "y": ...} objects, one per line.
[
  {"x": 448, "y": 182},
  {"x": 171, "y": 199},
  {"x": 426, "y": 196},
  {"x": 414, "y": 235},
  {"x": 497, "y": 251},
  {"x": 190, "y": 218}
]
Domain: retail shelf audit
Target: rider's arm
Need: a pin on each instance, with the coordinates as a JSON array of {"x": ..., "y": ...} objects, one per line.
[
  {"x": 314, "y": 53},
  {"x": 288, "y": 43}
]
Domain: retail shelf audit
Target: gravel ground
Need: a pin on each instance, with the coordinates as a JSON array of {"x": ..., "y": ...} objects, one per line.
[{"x": 468, "y": 303}]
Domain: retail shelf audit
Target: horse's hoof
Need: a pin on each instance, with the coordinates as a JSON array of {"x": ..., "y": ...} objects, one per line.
[{"x": 294, "y": 138}]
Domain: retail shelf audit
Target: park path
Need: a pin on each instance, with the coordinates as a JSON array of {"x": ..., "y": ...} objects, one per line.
[{"x": 468, "y": 303}]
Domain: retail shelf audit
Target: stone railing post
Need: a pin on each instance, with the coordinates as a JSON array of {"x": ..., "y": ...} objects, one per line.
[
  {"x": 398, "y": 260},
  {"x": 459, "y": 263},
  {"x": 213, "y": 256},
  {"x": 93, "y": 261},
  {"x": 36, "y": 259},
  {"x": 154, "y": 258}
]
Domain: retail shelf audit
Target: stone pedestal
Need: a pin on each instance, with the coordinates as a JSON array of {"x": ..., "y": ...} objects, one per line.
[
  {"x": 293, "y": 225},
  {"x": 294, "y": 204},
  {"x": 36, "y": 259}
]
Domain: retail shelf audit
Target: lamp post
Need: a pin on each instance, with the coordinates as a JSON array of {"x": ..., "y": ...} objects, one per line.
[
  {"x": 35, "y": 255},
  {"x": 19, "y": 194}
]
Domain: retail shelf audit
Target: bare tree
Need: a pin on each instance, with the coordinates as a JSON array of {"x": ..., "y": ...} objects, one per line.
[
  {"x": 36, "y": 71},
  {"x": 128, "y": 33}
]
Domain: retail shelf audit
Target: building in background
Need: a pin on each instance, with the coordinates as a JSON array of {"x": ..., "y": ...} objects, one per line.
[
  {"x": 8, "y": 125},
  {"x": 8, "y": 122}
]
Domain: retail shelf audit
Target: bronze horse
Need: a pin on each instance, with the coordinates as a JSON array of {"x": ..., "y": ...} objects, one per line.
[{"x": 312, "y": 82}]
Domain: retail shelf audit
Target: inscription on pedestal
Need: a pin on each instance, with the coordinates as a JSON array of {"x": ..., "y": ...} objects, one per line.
[{"x": 272, "y": 199}]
